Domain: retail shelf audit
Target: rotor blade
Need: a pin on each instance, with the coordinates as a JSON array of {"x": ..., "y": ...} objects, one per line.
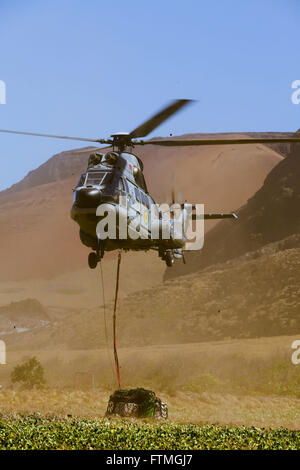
[
  {"x": 152, "y": 123},
  {"x": 100, "y": 141},
  {"x": 188, "y": 142},
  {"x": 91, "y": 150}
]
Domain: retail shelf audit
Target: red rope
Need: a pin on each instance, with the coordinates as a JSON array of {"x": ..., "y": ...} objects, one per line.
[{"x": 114, "y": 325}]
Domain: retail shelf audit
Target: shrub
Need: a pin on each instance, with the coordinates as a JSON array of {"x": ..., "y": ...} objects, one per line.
[{"x": 30, "y": 374}]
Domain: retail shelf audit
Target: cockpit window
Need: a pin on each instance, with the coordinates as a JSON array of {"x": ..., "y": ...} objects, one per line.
[
  {"x": 137, "y": 194},
  {"x": 121, "y": 184},
  {"x": 145, "y": 200},
  {"x": 81, "y": 180},
  {"x": 98, "y": 178}
]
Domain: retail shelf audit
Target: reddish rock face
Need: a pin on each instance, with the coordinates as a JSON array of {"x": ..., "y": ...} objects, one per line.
[
  {"x": 39, "y": 239},
  {"x": 270, "y": 215}
]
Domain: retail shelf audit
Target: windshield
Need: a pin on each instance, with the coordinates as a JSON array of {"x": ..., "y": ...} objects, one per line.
[
  {"x": 81, "y": 180},
  {"x": 98, "y": 178}
]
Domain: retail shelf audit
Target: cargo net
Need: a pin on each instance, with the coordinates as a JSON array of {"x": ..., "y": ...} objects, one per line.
[{"x": 136, "y": 403}]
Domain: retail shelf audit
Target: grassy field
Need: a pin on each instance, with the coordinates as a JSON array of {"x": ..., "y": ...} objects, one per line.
[
  {"x": 238, "y": 382},
  {"x": 235, "y": 394},
  {"x": 35, "y": 432}
]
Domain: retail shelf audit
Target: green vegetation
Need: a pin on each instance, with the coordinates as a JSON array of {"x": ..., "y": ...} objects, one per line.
[
  {"x": 30, "y": 374},
  {"x": 39, "y": 433}
]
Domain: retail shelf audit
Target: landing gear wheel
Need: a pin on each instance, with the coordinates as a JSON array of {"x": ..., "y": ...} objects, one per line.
[
  {"x": 161, "y": 253},
  {"x": 169, "y": 258},
  {"x": 93, "y": 260}
]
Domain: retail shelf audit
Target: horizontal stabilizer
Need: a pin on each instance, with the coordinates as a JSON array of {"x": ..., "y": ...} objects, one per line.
[{"x": 214, "y": 216}]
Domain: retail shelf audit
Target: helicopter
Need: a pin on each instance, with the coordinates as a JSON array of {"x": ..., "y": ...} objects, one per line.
[{"x": 114, "y": 180}]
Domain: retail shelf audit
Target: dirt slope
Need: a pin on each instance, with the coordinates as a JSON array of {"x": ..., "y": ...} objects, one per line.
[
  {"x": 39, "y": 240},
  {"x": 255, "y": 295},
  {"x": 270, "y": 215}
]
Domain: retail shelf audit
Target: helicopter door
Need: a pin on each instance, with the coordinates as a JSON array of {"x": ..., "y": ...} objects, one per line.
[
  {"x": 144, "y": 211},
  {"x": 133, "y": 202},
  {"x": 141, "y": 209},
  {"x": 123, "y": 192}
]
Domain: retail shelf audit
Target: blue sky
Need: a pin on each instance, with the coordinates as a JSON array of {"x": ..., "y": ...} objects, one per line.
[{"x": 91, "y": 67}]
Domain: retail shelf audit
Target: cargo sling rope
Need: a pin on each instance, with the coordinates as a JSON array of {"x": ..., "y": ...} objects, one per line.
[
  {"x": 105, "y": 320},
  {"x": 115, "y": 323},
  {"x": 117, "y": 366},
  {"x": 136, "y": 403}
]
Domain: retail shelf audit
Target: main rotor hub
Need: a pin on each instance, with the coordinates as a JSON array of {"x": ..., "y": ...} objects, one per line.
[{"x": 122, "y": 140}]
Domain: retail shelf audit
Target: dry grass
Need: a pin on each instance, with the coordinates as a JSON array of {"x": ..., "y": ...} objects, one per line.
[
  {"x": 253, "y": 366},
  {"x": 249, "y": 382}
]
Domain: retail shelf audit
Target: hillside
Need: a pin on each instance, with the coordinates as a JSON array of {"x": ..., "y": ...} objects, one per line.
[
  {"x": 39, "y": 240},
  {"x": 72, "y": 162},
  {"x": 270, "y": 215},
  {"x": 22, "y": 316},
  {"x": 252, "y": 296},
  {"x": 42, "y": 257},
  {"x": 58, "y": 168}
]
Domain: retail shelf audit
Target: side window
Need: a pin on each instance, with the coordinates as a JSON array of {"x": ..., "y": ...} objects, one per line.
[
  {"x": 137, "y": 194},
  {"x": 145, "y": 200},
  {"x": 121, "y": 184},
  {"x": 130, "y": 189},
  {"x": 126, "y": 185},
  {"x": 144, "y": 186}
]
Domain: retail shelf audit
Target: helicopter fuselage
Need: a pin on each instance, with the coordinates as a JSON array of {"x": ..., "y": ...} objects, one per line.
[{"x": 116, "y": 180}]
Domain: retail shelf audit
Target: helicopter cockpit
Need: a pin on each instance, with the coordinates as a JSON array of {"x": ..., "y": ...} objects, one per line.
[
  {"x": 95, "y": 178},
  {"x": 92, "y": 187},
  {"x": 107, "y": 177}
]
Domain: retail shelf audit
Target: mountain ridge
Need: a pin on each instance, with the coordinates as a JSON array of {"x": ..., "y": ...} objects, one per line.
[
  {"x": 57, "y": 167},
  {"x": 271, "y": 214},
  {"x": 39, "y": 239}
]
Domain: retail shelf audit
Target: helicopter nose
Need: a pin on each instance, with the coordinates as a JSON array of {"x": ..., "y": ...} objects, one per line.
[{"x": 87, "y": 197}]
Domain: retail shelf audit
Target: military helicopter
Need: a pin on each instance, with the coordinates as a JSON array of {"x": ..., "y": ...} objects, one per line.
[{"x": 115, "y": 180}]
